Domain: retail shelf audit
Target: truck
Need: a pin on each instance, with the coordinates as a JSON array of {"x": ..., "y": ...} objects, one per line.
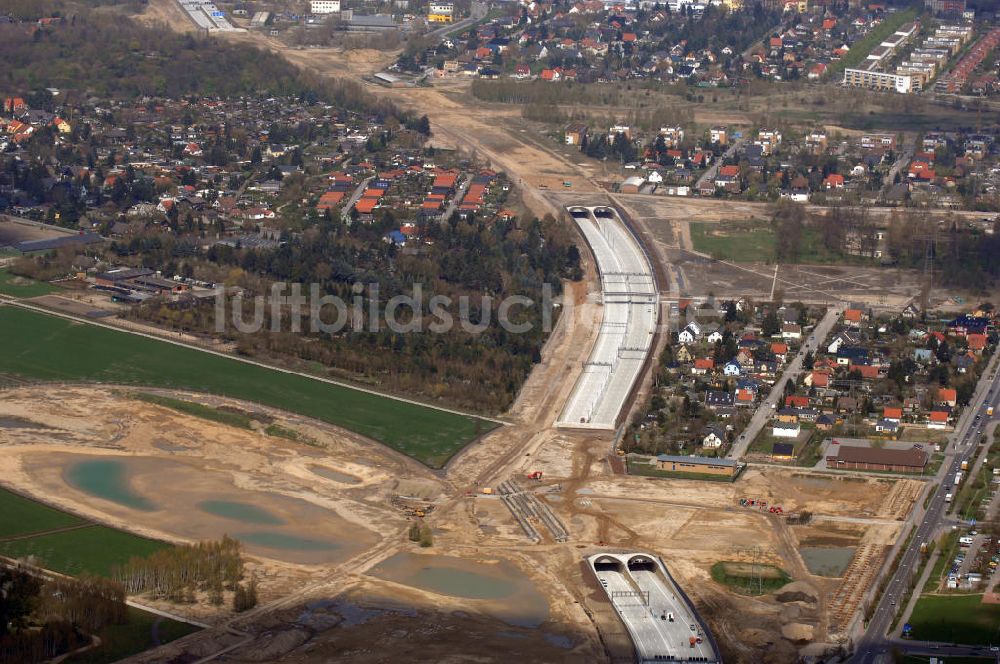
[
  {"x": 487, "y": 491},
  {"x": 958, "y": 478},
  {"x": 947, "y": 497},
  {"x": 965, "y": 465},
  {"x": 989, "y": 411}
]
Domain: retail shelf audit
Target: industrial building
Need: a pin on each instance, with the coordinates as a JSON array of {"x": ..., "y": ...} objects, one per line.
[{"x": 872, "y": 458}]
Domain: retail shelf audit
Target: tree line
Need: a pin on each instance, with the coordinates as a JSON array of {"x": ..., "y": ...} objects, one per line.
[
  {"x": 43, "y": 618},
  {"x": 178, "y": 572}
]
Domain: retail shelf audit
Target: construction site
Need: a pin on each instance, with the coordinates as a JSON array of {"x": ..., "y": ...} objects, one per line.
[{"x": 775, "y": 565}]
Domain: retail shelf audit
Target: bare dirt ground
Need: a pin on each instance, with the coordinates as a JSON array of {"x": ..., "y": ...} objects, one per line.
[{"x": 12, "y": 232}]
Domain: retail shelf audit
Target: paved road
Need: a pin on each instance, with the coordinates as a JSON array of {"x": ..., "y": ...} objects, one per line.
[
  {"x": 791, "y": 373},
  {"x": 479, "y": 10},
  {"x": 355, "y": 197},
  {"x": 874, "y": 647},
  {"x": 710, "y": 173}
]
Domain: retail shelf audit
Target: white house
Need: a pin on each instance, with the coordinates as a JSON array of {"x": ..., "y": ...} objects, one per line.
[
  {"x": 732, "y": 368},
  {"x": 786, "y": 429},
  {"x": 713, "y": 440},
  {"x": 690, "y": 334},
  {"x": 714, "y": 337},
  {"x": 654, "y": 177}
]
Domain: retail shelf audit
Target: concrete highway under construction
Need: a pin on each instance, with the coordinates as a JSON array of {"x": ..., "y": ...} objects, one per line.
[{"x": 658, "y": 615}]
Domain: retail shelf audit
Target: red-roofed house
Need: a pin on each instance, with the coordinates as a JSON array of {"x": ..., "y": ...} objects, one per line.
[
  {"x": 796, "y": 401},
  {"x": 893, "y": 414},
  {"x": 834, "y": 181},
  {"x": 702, "y": 365},
  {"x": 977, "y": 342},
  {"x": 947, "y": 396}
]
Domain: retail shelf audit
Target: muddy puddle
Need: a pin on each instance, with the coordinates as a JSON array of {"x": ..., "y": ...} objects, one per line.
[
  {"x": 827, "y": 560},
  {"x": 503, "y": 589},
  {"x": 196, "y": 504},
  {"x": 331, "y": 474}
]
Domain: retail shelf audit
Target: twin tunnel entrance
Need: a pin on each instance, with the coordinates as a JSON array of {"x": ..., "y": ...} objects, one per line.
[{"x": 634, "y": 564}]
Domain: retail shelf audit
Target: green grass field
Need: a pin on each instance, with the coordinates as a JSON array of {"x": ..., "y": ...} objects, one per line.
[
  {"x": 95, "y": 550},
  {"x": 748, "y": 579},
  {"x": 744, "y": 246},
  {"x": 142, "y": 631},
  {"x": 956, "y": 619},
  {"x": 21, "y": 287},
  {"x": 49, "y": 348},
  {"x": 755, "y": 243},
  {"x": 22, "y": 516}
]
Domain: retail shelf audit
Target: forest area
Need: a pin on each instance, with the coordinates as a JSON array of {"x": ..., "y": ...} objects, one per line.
[
  {"x": 468, "y": 259},
  {"x": 108, "y": 55},
  {"x": 43, "y": 616}
]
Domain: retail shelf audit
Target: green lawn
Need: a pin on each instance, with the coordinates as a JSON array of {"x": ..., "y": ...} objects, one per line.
[
  {"x": 748, "y": 579},
  {"x": 22, "y": 516},
  {"x": 22, "y": 287},
  {"x": 740, "y": 246},
  {"x": 956, "y": 619},
  {"x": 50, "y": 348},
  {"x": 755, "y": 243},
  {"x": 862, "y": 47},
  {"x": 95, "y": 550},
  {"x": 132, "y": 638}
]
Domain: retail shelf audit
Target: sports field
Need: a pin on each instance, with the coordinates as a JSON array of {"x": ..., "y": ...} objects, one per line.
[
  {"x": 956, "y": 619},
  {"x": 50, "y": 348}
]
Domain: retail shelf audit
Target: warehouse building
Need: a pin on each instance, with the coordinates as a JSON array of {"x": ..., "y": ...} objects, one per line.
[{"x": 872, "y": 458}]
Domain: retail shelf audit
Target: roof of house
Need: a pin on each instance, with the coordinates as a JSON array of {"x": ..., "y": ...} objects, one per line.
[
  {"x": 783, "y": 449},
  {"x": 911, "y": 457}
]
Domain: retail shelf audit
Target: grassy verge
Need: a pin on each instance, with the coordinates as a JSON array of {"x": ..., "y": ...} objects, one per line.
[
  {"x": 23, "y": 516},
  {"x": 45, "y": 347},
  {"x": 279, "y": 431},
  {"x": 141, "y": 632},
  {"x": 746, "y": 579},
  {"x": 197, "y": 410},
  {"x": 956, "y": 619},
  {"x": 16, "y": 286}
]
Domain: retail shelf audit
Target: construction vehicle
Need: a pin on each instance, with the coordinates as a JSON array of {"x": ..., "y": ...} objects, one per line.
[
  {"x": 619, "y": 451},
  {"x": 776, "y": 509},
  {"x": 535, "y": 475}
]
